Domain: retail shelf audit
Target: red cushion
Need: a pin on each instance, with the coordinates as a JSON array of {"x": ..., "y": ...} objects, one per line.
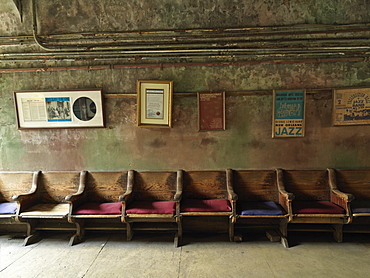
[
  {"x": 196, "y": 205},
  {"x": 317, "y": 207},
  {"x": 149, "y": 207},
  {"x": 99, "y": 208}
]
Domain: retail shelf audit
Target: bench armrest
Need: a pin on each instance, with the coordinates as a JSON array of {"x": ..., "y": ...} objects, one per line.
[
  {"x": 130, "y": 181},
  {"x": 179, "y": 182},
  {"x": 29, "y": 199},
  {"x": 79, "y": 197},
  {"x": 285, "y": 198},
  {"x": 229, "y": 185},
  {"x": 336, "y": 196}
]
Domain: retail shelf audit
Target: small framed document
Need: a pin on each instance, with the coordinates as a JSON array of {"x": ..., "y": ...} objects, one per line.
[
  {"x": 154, "y": 100},
  {"x": 211, "y": 111}
]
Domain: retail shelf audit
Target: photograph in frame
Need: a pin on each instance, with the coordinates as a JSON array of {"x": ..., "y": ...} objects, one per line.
[{"x": 59, "y": 109}]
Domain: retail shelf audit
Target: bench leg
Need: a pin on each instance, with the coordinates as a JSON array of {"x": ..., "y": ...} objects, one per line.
[
  {"x": 32, "y": 235},
  {"x": 231, "y": 228},
  {"x": 284, "y": 233},
  {"x": 178, "y": 236},
  {"x": 176, "y": 240},
  {"x": 338, "y": 232},
  {"x": 80, "y": 233},
  {"x": 129, "y": 231}
]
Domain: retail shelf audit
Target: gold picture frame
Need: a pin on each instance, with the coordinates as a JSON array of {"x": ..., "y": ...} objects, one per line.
[{"x": 154, "y": 103}]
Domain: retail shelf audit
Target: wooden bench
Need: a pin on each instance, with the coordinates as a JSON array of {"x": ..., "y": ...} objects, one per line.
[
  {"x": 12, "y": 184},
  {"x": 357, "y": 183},
  {"x": 44, "y": 206},
  {"x": 260, "y": 204},
  {"x": 152, "y": 202},
  {"x": 208, "y": 201},
  {"x": 317, "y": 202},
  {"x": 96, "y": 205}
]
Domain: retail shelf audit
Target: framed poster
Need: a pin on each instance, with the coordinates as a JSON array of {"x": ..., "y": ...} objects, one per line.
[
  {"x": 211, "y": 111},
  {"x": 351, "y": 106},
  {"x": 59, "y": 109},
  {"x": 288, "y": 113},
  {"x": 154, "y": 99}
]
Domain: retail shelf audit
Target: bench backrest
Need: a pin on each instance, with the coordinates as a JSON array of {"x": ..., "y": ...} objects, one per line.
[
  {"x": 104, "y": 187},
  {"x": 255, "y": 185},
  {"x": 55, "y": 186},
  {"x": 14, "y": 183},
  {"x": 154, "y": 185},
  {"x": 355, "y": 182},
  {"x": 307, "y": 185},
  {"x": 204, "y": 185}
]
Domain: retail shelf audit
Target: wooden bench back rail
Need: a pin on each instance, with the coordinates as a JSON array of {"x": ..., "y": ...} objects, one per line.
[
  {"x": 255, "y": 185},
  {"x": 307, "y": 185},
  {"x": 154, "y": 185},
  {"x": 355, "y": 182},
  {"x": 207, "y": 185},
  {"x": 105, "y": 187},
  {"x": 13, "y": 184}
]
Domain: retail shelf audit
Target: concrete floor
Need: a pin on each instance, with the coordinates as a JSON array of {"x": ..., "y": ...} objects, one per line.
[{"x": 148, "y": 255}]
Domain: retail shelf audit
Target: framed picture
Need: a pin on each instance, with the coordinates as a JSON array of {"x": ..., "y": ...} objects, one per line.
[
  {"x": 211, "y": 111},
  {"x": 59, "y": 109},
  {"x": 288, "y": 113},
  {"x": 154, "y": 99},
  {"x": 351, "y": 106}
]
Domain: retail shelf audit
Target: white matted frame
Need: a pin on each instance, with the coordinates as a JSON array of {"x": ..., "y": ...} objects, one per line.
[
  {"x": 154, "y": 100},
  {"x": 59, "y": 109}
]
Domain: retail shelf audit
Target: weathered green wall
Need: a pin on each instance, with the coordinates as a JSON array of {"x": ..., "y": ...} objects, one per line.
[{"x": 246, "y": 143}]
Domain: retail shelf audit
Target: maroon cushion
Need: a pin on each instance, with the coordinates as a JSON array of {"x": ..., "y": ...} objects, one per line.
[
  {"x": 212, "y": 205},
  {"x": 151, "y": 207},
  {"x": 317, "y": 207},
  {"x": 99, "y": 208}
]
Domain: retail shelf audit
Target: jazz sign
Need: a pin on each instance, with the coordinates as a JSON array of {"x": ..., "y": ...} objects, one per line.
[{"x": 288, "y": 113}]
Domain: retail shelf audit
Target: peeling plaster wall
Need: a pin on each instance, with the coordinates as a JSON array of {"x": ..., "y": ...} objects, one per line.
[{"x": 247, "y": 141}]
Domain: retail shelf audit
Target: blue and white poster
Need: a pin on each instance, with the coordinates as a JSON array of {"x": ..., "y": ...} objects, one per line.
[{"x": 288, "y": 113}]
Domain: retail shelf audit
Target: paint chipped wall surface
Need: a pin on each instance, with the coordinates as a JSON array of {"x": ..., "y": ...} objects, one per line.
[{"x": 246, "y": 142}]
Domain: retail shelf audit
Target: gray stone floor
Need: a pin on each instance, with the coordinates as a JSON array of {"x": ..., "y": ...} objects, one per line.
[{"x": 109, "y": 255}]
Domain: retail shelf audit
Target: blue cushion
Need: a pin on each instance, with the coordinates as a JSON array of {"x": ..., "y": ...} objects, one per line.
[
  {"x": 8, "y": 208},
  {"x": 360, "y": 206},
  {"x": 259, "y": 208}
]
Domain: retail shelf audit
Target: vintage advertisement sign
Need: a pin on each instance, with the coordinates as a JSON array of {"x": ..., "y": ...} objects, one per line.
[
  {"x": 351, "y": 106},
  {"x": 288, "y": 113},
  {"x": 211, "y": 114}
]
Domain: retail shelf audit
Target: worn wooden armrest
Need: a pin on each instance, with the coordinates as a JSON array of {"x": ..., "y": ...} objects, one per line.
[
  {"x": 286, "y": 195},
  {"x": 336, "y": 196},
  {"x": 125, "y": 197},
  {"x": 29, "y": 199},
  {"x": 80, "y": 194},
  {"x": 128, "y": 194},
  {"x": 229, "y": 185},
  {"x": 285, "y": 198},
  {"x": 179, "y": 181},
  {"x": 79, "y": 197},
  {"x": 346, "y": 196},
  {"x": 281, "y": 188},
  {"x": 177, "y": 197}
]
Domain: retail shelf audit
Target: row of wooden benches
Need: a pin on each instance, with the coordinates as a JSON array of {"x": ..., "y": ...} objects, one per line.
[{"x": 273, "y": 200}]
